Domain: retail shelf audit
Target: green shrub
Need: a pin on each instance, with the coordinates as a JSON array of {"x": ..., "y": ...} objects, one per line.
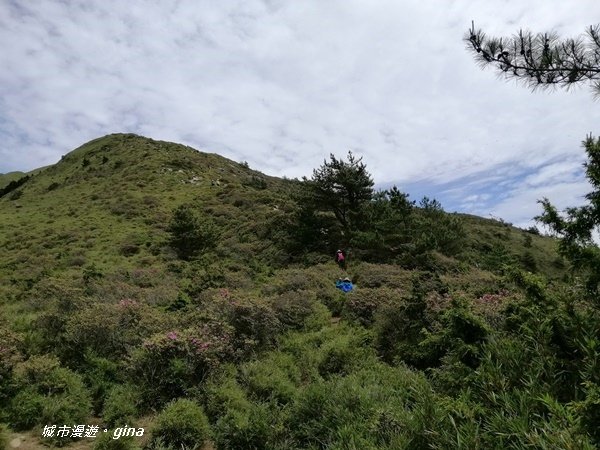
[
  {"x": 10, "y": 355},
  {"x": 25, "y": 409},
  {"x": 100, "y": 374},
  {"x": 49, "y": 394},
  {"x": 293, "y": 308},
  {"x": 257, "y": 426},
  {"x": 589, "y": 411},
  {"x": 121, "y": 405},
  {"x": 3, "y": 437},
  {"x": 15, "y": 195},
  {"x": 191, "y": 235},
  {"x": 123, "y": 325},
  {"x": 255, "y": 324},
  {"x": 345, "y": 353},
  {"x": 362, "y": 305},
  {"x": 275, "y": 377},
  {"x": 223, "y": 394},
  {"x": 168, "y": 364},
  {"x": 182, "y": 423},
  {"x": 398, "y": 330},
  {"x": 105, "y": 441},
  {"x": 377, "y": 407}
]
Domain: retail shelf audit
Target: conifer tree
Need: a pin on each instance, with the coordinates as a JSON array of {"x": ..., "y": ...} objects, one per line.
[
  {"x": 341, "y": 187},
  {"x": 576, "y": 227}
]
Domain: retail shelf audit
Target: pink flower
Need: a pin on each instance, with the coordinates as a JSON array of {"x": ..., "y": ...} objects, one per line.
[{"x": 172, "y": 335}]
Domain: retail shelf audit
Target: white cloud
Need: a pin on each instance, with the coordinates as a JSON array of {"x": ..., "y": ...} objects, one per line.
[{"x": 283, "y": 84}]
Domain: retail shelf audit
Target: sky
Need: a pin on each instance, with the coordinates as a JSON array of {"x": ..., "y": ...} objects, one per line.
[{"x": 283, "y": 84}]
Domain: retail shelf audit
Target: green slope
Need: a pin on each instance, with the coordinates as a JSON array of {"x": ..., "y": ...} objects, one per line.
[
  {"x": 99, "y": 317},
  {"x": 108, "y": 203}
]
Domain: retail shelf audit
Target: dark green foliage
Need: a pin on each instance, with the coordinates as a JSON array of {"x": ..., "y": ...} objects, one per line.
[
  {"x": 181, "y": 302},
  {"x": 542, "y": 59},
  {"x": 53, "y": 186},
  {"x": 15, "y": 195},
  {"x": 275, "y": 378},
  {"x": 191, "y": 235},
  {"x": 436, "y": 230},
  {"x": 364, "y": 304},
  {"x": 342, "y": 188},
  {"x": 377, "y": 407},
  {"x": 528, "y": 262},
  {"x": 400, "y": 327},
  {"x": 13, "y": 185},
  {"x": 576, "y": 227},
  {"x": 497, "y": 257},
  {"x": 250, "y": 427},
  {"x": 100, "y": 375},
  {"x": 10, "y": 356},
  {"x": 391, "y": 226},
  {"x": 256, "y": 182},
  {"x": 294, "y": 308},
  {"x": 589, "y": 410},
  {"x": 181, "y": 424},
  {"x": 3, "y": 437},
  {"x": 396, "y": 230}
]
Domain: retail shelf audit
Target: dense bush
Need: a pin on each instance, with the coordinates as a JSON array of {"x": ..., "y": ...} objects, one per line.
[
  {"x": 181, "y": 424},
  {"x": 47, "y": 394},
  {"x": 377, "y": 407},
  {"x": 363, "y": 304},
  {"x": 275, "y": 377},
  {"x": 166, "y": 365},
  {"x": 10, "y": 356},
  {"x": 293, "y": 308},
  {"x": 121, "y": 405},
  {"x": 124, "y": 325},
  {"x": 105, "y": 441},
  {"x": 190, "y": 234},
  {"x": 3, "y": 437},
  {"x": 255, "y": 324}
]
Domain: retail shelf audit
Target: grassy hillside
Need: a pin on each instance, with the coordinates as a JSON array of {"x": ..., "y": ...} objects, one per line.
[
  {"x": 108, "y": 203},
  {"x": 6, "y": 178},
  {"x": 104, "y": 322}
]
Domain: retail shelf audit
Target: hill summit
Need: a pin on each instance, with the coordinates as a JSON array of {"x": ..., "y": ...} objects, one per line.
[{"x": 109, "y": 202}]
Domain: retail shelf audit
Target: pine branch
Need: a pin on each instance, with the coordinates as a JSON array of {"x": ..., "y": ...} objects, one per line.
[{"x": 541, "y": 60}]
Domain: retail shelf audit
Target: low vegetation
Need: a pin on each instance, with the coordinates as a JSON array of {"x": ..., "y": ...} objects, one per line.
[{"x": 149, "y": 284}]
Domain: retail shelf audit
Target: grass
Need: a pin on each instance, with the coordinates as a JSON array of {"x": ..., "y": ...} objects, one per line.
[{"x": 85, "y": 243}]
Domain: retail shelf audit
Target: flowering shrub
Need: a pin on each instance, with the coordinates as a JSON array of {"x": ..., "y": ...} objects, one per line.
[
  {"x": 122, "y": 326},
  {"x": 362, "y": 304},
  {"x": 255, "y": 325},
  {"x": 296, "y": 309},
  {"x": 167, "y": 364}
]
